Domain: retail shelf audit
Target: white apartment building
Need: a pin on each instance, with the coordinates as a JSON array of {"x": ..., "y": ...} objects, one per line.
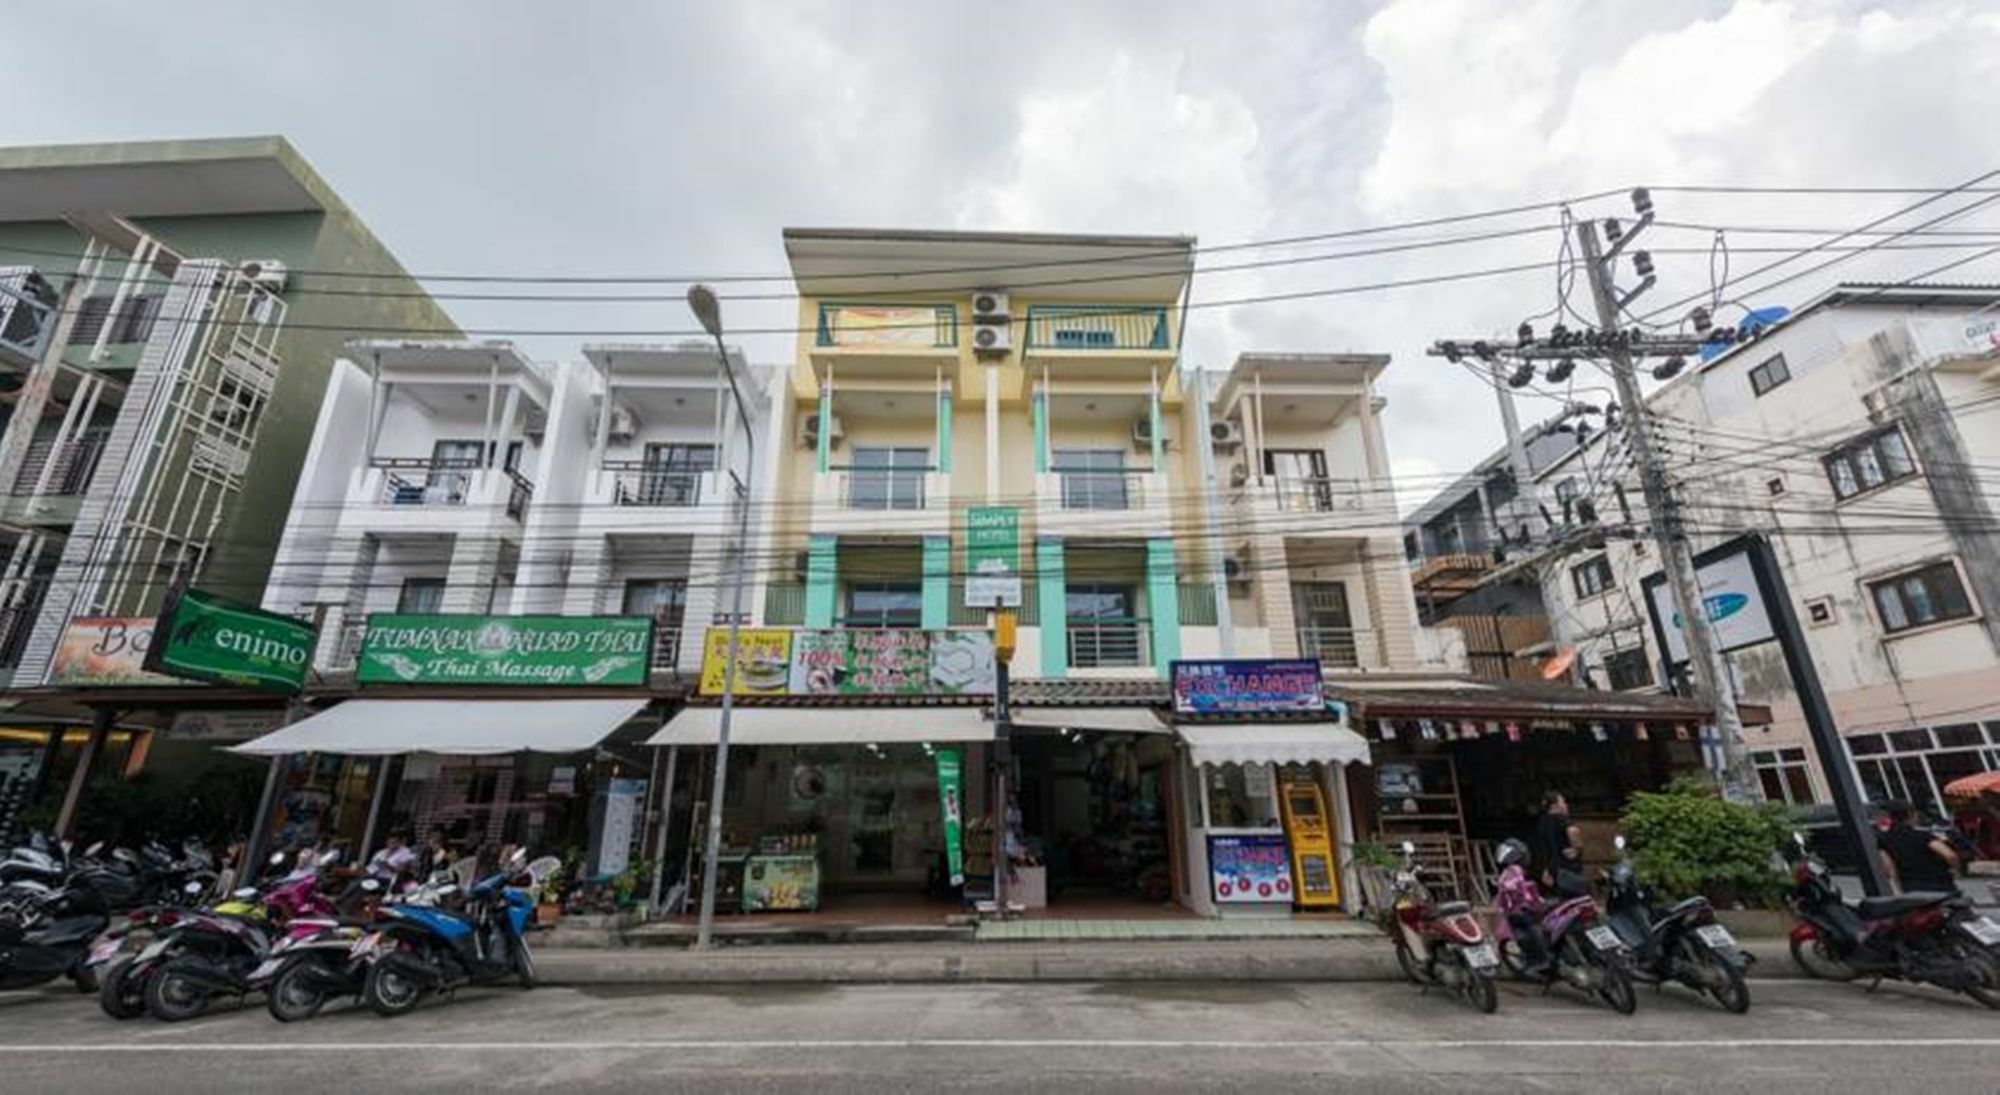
[{"x": 1861, "y": 435}]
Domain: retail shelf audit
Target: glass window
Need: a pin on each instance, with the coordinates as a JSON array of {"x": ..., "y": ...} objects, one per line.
[
  {"x": 1592, "y": 577},
  {"x": 421, "y": 596},
  {"x": 1784, "y": 776},
  {"x": 1930, "y": 595},
  {"x": 1910, "y": 741},
  {"x": 1103, "y": 625},
  {"x": 1092, "y": 478},
  {"x": 885, "y": 604},
  {"x": 1769, "y": 374},
  {"x": 1962, "y": 736},
  {"x": 1627, "y": 669},
  {"x": 1863, "y": 745},
  {"x": 1873, "y": 460},
  {"x": 888, "y": 478},
  {"x": 660, "y": 598}
]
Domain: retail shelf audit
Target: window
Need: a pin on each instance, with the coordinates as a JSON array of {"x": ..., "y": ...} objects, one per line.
[
  {"x": 1326, "y": 628},
  {"x": 672, "y": 474},
  {"x": 1566, "y": 489},
  {"x": 1929, "y": 595},
  {"x": 1771, "y": 373},
  {"x": 1775, "y": 486},
  {"x": 885, "y": 604},
  {"x": 1592, "y": 576},
  {"x": 134, "y": 322},
  {"x": 1784, "y": 775},
  {"x": 888, "y": 478},
  {"x": 1104, "y": 628},
  {"x": 664, "y": 599},
  {"x": 1924, "y": 761},
  {"x": 1874, "y": 460},
  {"x": 1092, "y": 478},
  {"x": 1303, "y": 484},
  {"x": 421, "y": 596},
  {"x": 1627, "y": 669},
  {"x": 1819, "y": 611}
]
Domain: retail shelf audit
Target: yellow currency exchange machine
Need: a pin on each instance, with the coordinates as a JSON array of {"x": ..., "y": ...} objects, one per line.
[{"x": 1310, "y": 832}]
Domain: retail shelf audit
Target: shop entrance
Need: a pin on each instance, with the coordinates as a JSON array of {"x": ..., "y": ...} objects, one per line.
[{"x": 1095, "y": 812}]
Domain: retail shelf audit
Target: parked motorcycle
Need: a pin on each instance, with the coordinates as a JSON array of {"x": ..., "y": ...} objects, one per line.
[
  {"x": 303, "y": 972},
  {"x": 427, "y": 949},
  {"x": 1441, "y": 945},
  {"x": 1680, "y": 943},
  {"x": 30, "y": 957},
  {"x": 1930, "y": 938},
  {"x": 1576, "y": 947},
  {"x": 206, "y": 956}
]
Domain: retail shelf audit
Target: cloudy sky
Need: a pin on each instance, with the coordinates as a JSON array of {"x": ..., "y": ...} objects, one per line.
[{"x": 665, "y": 139}]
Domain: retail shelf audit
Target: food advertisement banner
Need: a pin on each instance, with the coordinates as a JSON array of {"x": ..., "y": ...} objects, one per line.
[
  {"x": 537, "y": 650},
  {"x": 891, "y": 662},
  {"x": 781, "y": 883},
  {"x": 1250, "y": 868},
  {"x": 1247, "y": 687},
  {"x": 203, "y": 637},
  {"x": 106, "y": 650},
  {"x": 763, "y": 661}
]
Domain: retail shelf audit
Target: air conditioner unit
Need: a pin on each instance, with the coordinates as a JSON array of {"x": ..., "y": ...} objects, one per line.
[
  {"x": 1226, "y": 435},
  {"x": 27, "y": 315},
  {"x": 1236, "y": 568},
  {"x": 990, "y": 306},
  {"x": 266, "y": 274},
  {"x": 1142, "y": 432},
  {"x": 992, "y": 338},
  {"x": 809, "y": 431},
  {"x": 623, "y": 425},
  {"x": 992, "y": 324},
  {"x": 535, "y": 425}
]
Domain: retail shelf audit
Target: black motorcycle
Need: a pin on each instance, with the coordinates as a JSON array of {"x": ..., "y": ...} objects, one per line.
[
  {"x": 31, "y": 957},
  {"x": 1676, "y": 943}
]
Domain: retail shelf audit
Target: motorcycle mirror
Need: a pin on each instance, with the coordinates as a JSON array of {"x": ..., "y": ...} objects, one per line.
[
  {"x": 277, "y": 859},
  {"x": 191, "y": 888},
  {"x": 245, "y": 894},
  {"x": 91, "y": 852},
  {"x": 329, "y": 857},
  {"x": 445, "y": 890},
  {"x": 1409, "y": 847},
  {"x": 518, "y": 859},
  {"x": 1798, "y": 838},
  {"x": 1618, "y": 842}
]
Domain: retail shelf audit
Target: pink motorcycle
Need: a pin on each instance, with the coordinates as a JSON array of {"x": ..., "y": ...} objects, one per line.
[{"x": 1565, "y": 942}]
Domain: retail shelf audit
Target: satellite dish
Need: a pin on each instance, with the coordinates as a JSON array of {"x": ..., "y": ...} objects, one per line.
[{"x": 1557, "y": 667}]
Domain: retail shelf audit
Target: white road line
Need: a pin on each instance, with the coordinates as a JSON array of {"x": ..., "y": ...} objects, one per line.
[{"x": 1009, "y": 1043}]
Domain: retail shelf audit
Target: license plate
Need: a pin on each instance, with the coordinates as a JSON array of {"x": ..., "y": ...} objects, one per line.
[
  {"x": 266, "y": 968},
  {"x": 1716, "y": 936},
  {"x": 1603, "y": 938},
  {"x": 1984, "y": 929},
  {"x": 1482, "y": 957},
  {"x": 153, "y": 950}
]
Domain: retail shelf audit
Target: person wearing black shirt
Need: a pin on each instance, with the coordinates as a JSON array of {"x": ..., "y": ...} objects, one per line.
[
  {"x": 1916, "y": 860},
  {"x": 1557, "y": 850}
]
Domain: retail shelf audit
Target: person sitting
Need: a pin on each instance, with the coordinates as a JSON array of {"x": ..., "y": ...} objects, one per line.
[
  {"x": 1516, "y": 898},
  {"x": 1917, "y": 861}
]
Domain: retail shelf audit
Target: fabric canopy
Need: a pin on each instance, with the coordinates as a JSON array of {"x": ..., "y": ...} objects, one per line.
[
  {"x": 826, "y": 725},
  {"x": 1974, "y": 785},
  {"x": 1128, "y": 720},
  {"x": 450, "y": 727},
  {"x": 1273, "y": 743}
]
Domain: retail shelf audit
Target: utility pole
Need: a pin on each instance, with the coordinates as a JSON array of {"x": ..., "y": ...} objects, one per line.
[{"x": 1711, "y": 673}]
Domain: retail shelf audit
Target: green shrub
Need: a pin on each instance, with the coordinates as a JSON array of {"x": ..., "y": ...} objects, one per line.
[{"x": 1687, "y": 840}]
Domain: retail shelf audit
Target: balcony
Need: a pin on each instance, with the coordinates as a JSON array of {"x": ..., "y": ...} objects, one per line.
[
  {"x": 885, "y": 341},
  {"x": 69, "y": 465},
  {"x": 1099, "y": 328},
  {"x": 434, "y": 494},
  {"x": 1317, "y": 506},
  {"x": 666, "y": 646},
  {"x": 1443, "y": 578},
  {"x": 1341, "y": 647},
  {"x": 28, "y": 306},
  {"x": 1109, "y": 642},
  {"x": 1090, "y": 502},
  {"x": 850, "y": 500}
]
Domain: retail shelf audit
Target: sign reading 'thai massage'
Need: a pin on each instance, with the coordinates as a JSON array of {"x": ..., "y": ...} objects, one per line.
[{"x": 536, "y": 650}]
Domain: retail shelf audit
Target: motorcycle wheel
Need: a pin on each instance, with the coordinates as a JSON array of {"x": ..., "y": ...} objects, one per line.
[
  {"x": 1617, "y": 991},
  {"x": 173, "y": 997},
  {"x": 1725, "y": 982},
  {"x": 292, "y": 997},
  {"x": 1511, "y": 960},
  {"x": 390, "y": 993},
  {"x": 1480, "y": 991},
  {"x": 1812, "y": 956},
  {"x": 524, "y": 966},
  {"x": 121, "y": 992},
  {"x": 84, "y": 978},
  {"x": 1407, "y": 960},
  {"x": 1987, "y": 991}
]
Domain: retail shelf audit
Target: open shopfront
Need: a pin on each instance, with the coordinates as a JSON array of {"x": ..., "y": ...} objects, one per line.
[{"x": 1093, "y": 809}]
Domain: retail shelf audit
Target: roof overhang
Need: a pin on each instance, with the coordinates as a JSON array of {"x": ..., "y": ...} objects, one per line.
[
  {"x": 842, "y": 262},
  {"x": 159, "y": 179}
]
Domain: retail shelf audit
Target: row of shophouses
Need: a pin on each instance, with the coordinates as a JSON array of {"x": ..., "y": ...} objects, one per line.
[{"x": 521, "y": 574}]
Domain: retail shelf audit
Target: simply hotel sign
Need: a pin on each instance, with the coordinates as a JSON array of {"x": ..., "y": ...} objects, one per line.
[
  {"x": 533, "y": 650},
  {"x": 203, "y": 637}
]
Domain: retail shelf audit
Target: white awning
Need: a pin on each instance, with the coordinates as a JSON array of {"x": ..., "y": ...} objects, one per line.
[
  {"x": 826, "y": 725},
  {"x": 450, "y": 727},
  {"x": 1273, "y": 743},
  {"x": 1124, "y": 720}
]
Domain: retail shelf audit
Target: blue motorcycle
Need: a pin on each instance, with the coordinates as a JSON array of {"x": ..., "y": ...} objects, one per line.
[{"x": 417, "y": 949}]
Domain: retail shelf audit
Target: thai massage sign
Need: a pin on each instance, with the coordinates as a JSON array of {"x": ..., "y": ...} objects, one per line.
[
  {"x": 855, "y": 662},
  {"x": 535, "y": 650},
  {"x": 1247, "y": 687},
  {"x": 203, "y": 637}
]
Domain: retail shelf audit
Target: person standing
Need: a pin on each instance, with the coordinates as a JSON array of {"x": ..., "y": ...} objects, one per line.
[
  {"x": 1916, "y": 860},
  {"x": 1558, "y": 848}
]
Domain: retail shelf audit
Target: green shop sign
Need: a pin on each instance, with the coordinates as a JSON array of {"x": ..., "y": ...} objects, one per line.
[
  {"x": 203, "y": 637},
  {"x": 541, "y": 650}
]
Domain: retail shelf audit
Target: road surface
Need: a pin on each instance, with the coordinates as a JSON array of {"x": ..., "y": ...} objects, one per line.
[{"x": 1800, "y": 1036}]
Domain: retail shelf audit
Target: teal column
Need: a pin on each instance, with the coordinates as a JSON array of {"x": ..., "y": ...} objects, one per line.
[
  {"x": 937, "y": 583},
  {"x": 825, "y": 453},
  {"x": 822, "y": 579},
  {"x": 1039, "y": 407},
  {"x": 944, "y": 431},
  {"x": 1159, "y": 435},
  {"x": 1052, "y": 601},
  {"x": 1163, "y": 595}
]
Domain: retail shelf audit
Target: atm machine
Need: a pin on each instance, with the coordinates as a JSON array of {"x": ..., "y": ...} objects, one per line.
[{"x": 1309, "y": 831}]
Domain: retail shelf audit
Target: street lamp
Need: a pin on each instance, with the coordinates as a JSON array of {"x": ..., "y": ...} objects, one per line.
[{"x": 701, "y": 300}]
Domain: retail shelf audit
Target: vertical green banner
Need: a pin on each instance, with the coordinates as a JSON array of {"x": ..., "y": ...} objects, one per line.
[{"x": 951, "y": 794}]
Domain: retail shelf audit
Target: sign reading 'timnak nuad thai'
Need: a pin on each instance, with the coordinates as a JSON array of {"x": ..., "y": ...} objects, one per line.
[{"x": 533, "y": 650}]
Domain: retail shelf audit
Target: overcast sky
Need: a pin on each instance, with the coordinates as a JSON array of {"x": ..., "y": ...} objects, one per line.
[{"x": 491, "y": 136}]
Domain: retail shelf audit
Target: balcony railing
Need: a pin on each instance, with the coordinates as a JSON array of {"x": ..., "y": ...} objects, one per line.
[
  {"x": 887, "y": 326},
  {"x": 347, "y": 646},
  {"x": 70, "y": 465},
  {"x": 520, "y": 491},
  {"x": 878, "y": 488},
  {"x": 1310, "y": 495},
  {"x": 1108, "y": 642},
  {"x": 28, "y": 307},
  {"x": 637, "y": 483},
  {"x": 1098, "y": 327},
  {"x": 422, "y": 481},
  {"x": 1340, "y": 647},
  {"x": 1103, "y": 490},
  {"x": 17, "y": 623},
  {"x": 666, "y": 645}
]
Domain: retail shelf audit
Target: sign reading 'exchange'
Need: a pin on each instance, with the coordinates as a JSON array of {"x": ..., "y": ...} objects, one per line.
[{"x": 534, "y": 650}]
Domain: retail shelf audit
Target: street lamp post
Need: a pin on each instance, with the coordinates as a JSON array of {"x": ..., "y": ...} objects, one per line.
[{"x": 701, "y": 299}]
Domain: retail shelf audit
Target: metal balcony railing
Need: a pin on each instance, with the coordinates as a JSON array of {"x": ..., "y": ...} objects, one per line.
[
  {"x": 1102, "y": 490},
  {"x": 1340, "y": 647},
  {"x": 1108, "y": 642},
  {"x": 1310, "y": 495},
  {"x": 422, "y": 481},
  {"x": 637, "y": 483},
  {"x": 17, "y": 624},
  {"x": 1098, "y": 327},
  {"x": 70, "y": 465},
  {"x": 666, "y": 645},
  {"x": 875, "y": 488},
  {"x": 520, "y": 492},
  {"x": 909, "y": 326}
]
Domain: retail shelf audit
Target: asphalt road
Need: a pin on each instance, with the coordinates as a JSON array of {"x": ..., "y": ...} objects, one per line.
[{"x": 1800, "y": 1036}]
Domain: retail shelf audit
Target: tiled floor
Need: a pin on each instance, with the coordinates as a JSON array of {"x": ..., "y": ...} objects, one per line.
[{"x": 1191, "y": 928}]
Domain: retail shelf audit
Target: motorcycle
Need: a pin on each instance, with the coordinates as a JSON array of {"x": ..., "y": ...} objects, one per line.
[
  {"x": 1441, "y": 945},
  {"x": 1579, "y": 950},
  {"x": 1930, "y": 938},
  {"x": 205, "y": 956},
  {"x": 425, "y": 949},
  {"x": 30, "y": 957},
  {"x": 1680, "y": 943},
  {"x": 303, "y": 972}
]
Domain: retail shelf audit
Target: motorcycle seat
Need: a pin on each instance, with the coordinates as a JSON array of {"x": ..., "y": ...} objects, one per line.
[
  {"x": 1452, "y": 908},
  {"x": 1688, "y": 905},
  {"x": 70, "y": 929},
  {"x": 1882, "y": 908}
]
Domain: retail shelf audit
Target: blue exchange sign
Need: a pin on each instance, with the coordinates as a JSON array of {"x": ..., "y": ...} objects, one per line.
[{"x": 1247, "y": 687}]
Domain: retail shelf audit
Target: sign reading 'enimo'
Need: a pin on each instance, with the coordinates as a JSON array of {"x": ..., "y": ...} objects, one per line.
[
  {"x": 540, "y": 650},
  {"x": 203, "y": 637}
]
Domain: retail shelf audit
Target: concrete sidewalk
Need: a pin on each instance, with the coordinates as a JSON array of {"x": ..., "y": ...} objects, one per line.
[{"x": 1263, "y": 960}]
